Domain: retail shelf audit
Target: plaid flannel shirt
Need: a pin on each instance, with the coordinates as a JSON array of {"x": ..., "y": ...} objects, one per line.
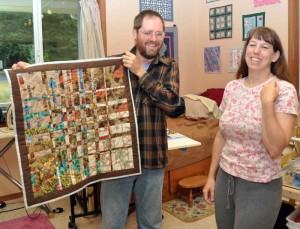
[{"x": 155, "y": 94}]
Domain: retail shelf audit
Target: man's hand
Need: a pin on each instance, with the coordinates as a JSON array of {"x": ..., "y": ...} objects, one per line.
[
  {"x": 20, "y": 65},
  {"x": 133, "y": 64}
]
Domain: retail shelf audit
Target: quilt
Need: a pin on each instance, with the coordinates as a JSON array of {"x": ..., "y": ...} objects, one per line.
[{"x": 75, "y": 125}]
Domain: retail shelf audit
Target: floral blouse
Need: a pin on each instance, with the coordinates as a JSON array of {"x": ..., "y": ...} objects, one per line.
[{"x": 244, "y": 154}]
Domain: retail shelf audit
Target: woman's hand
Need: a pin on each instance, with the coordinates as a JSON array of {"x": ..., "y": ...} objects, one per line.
[
  {"x": 209, "y": 191},
  {"x": 20, "y": 65},
  {"x": 269, "y": 92}
]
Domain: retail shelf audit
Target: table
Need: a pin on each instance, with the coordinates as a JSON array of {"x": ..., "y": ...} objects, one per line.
[
  {"x": 289, "y": 191},
  {"x": 179, "y": 141}
]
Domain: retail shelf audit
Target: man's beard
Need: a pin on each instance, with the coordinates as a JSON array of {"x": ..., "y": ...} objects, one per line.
[{"x": 148, "y": 55}]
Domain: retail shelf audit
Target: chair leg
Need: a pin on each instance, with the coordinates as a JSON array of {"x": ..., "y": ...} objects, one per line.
[
  {"x": 178, "y": 194},
  {"x": 191, "y": 198}
]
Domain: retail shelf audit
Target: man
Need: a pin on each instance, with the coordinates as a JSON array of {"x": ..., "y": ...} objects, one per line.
[
  {"x": 155, "y": 85},
  {"x": 155, "y": 88}
]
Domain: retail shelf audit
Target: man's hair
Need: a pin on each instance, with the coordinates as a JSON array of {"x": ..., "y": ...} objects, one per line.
[{"x": 138, "y": 20}]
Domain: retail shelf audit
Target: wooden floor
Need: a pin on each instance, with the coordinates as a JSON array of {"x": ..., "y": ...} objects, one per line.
[{"x": 61, "y": 220}]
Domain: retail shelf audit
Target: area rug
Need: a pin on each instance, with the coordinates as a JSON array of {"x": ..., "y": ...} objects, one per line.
[
  {"x": 182, "y": 211},
  {"x": 33, "y": 221}
]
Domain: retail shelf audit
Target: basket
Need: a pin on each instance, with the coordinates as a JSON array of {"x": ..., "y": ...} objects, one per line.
[{"x": 291, "y": 217}]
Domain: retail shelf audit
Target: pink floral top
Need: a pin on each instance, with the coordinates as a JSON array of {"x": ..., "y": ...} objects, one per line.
[{"x": 244, "y": 154}]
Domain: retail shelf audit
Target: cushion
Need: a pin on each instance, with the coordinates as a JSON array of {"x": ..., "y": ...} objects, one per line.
[{"x": 215, "y": 94}]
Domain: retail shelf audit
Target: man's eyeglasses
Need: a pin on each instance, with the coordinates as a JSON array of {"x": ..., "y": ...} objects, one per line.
[{"x": 149, "y": 33}]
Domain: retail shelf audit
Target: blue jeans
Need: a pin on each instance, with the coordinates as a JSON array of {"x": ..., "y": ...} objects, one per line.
[{"x": 116, "y": 194}]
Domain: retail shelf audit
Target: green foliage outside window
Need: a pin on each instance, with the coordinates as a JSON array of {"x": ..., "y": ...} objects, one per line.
[{"x": 60, "y": 39}]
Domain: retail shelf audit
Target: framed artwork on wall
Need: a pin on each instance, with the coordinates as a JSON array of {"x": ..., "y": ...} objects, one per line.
[
  {"x": 212, "y": 61},
  {"x": 235, "y": 55},
  {"x": 265, "y": 2},
  {"x": 163, "y": 7},
  {"x": 208, "y": 1},
  {"x": 220, "y": 22},
  {"x": 170, "y": 47},
  {"x": 251, "y": 21}
]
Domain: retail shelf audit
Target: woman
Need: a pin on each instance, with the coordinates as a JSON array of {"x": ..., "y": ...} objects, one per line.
[{"x": 259, "y": 110}]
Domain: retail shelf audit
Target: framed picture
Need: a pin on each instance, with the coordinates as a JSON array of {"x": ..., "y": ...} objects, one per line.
[
  {"x": 208, "y": 1},
  {"x": 212, "y": 61},
  {"x": 220, "y": 22},
  {"x": 235, "y": 55},
  {"x": 265, "y": 2},
  {"x": 170, "y": 47},
  {"x": 251, "y": 21},
  {"x": 163, "y": 7}
]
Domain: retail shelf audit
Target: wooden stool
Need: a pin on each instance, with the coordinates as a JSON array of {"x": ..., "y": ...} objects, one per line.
[{"x": 190, "y": 184}]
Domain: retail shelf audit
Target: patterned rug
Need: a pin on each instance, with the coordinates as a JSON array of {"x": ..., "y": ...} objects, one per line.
[
  {"x": 34, "y": 221},
  {"x": 182, "y": 211}
]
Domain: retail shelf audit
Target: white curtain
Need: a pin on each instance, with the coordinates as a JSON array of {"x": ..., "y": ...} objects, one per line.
[{"x": 90, "y": 33}]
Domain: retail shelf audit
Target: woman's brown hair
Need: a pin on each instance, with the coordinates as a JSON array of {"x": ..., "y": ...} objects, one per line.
[{"x": 278, "y": 68}]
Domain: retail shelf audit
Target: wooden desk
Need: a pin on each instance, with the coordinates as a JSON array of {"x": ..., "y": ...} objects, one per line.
[{"x": 289, "y": 191}]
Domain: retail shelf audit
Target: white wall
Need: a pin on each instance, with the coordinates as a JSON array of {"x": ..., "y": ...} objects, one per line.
[{"x": 192, "y": 19}]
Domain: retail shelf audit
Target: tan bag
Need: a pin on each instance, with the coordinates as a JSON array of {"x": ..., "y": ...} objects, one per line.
[{"x": 199, "y": 107}]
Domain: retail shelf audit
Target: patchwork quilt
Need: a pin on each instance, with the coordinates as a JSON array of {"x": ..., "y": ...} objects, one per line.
[{"x": 75, "y": 125}]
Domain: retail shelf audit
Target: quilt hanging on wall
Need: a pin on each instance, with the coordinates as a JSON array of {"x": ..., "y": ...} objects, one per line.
[
  {"x": 74, "y": 125},
  {"x": 163, "y": 7},
  {"x": 220, "y": 22},
  {"x": 212, "y": 60}
]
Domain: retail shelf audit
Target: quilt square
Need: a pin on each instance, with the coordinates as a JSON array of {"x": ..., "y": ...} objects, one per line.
[
  {"x": 212, "y": 61},
  {"x": 74, "y": 125},
  {"x": 252, "y": 21},
  {"x": 220, "y": 22},
  {"x": 265, "y": 2},
  {"x": 163, "y": 7}
]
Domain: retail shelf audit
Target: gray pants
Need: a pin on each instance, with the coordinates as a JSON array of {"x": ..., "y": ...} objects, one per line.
[{"x": 242, "y": 204}]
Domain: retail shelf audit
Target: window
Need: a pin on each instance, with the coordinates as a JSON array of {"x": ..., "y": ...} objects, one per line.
[
  {"x": 60, "y": 29},
  {"x": 36, "y": 31}
]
